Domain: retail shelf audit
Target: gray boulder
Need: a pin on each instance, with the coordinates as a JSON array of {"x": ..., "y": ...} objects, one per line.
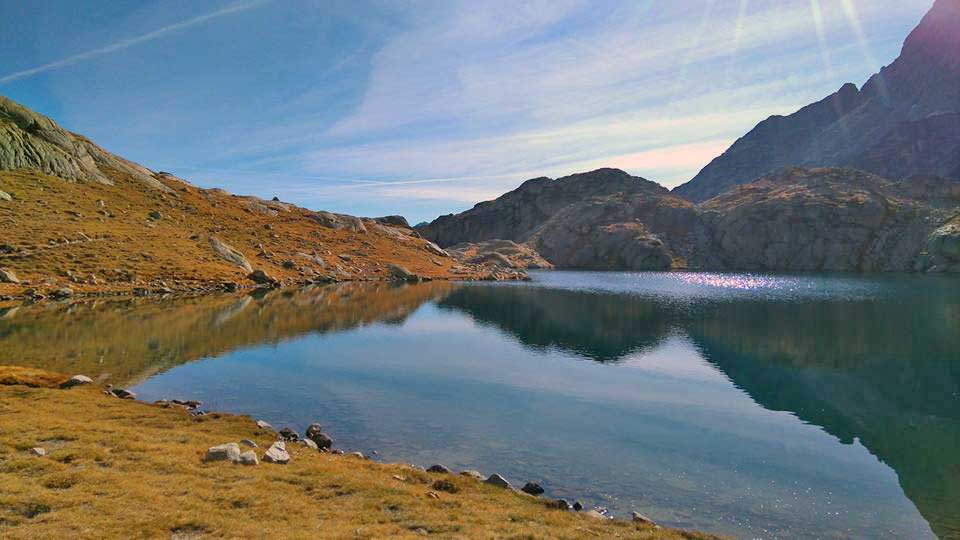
[
  {"x": 230, "y": 254},
  {"x": 7, "y": 275},
  {"x": 249, "y": 458},
  {"x": 223, "y": 452},
  {"x": 277, "y": 453},
  {"x": 499, "y": 481},
  {"x": 77, "y": 380}
]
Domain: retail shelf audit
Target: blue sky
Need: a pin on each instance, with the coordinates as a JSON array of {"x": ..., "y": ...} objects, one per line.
[{"x": 427, "y": 107}]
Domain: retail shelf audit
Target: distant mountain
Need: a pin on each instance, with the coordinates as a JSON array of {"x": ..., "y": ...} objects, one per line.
[
  {"x": 798, "y": 219},
  {"x": 904, "y": 121}
]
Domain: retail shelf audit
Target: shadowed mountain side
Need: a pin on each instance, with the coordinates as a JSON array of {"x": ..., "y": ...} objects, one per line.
[
  {"x": 602, "y": 327},
  {"x": 125, "y": 341},
  {"x": 902, "y": 122},
  {"x": 845, "y": 366}
]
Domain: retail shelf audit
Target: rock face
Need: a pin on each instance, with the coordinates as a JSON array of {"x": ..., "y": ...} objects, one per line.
[
  {"x": 32, "y": 141},
  {"x": 504, "y": 253},
  {"x": 902, "y": 122},
  {"x": 794, "y": 220}
]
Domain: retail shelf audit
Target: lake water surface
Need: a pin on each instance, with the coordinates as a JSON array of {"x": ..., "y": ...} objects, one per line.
[{"x": 749, "y": 405}]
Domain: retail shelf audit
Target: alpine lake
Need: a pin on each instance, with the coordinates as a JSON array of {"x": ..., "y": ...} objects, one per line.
[{"x": 750, "y": 405}]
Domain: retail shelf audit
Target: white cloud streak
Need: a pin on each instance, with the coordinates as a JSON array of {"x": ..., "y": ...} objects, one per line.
[{"x": 130, "y": 42}]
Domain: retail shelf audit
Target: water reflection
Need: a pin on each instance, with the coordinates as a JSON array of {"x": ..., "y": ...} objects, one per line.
[{"x": 870, "y": 361}]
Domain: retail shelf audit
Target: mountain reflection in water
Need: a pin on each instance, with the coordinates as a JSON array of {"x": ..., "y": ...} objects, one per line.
[{"x": 882, "y": 368}]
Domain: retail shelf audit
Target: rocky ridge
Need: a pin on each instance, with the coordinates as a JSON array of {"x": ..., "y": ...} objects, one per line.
[
  {"x": 798, "y": 219},
  {"x": 904, "y": 121}
]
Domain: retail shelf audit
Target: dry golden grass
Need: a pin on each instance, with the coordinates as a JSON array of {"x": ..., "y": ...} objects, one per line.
[
  {"x": 53, "y": 226},
  {"x": 123, "y": 469},
  {"x": 38, "y": 378}
]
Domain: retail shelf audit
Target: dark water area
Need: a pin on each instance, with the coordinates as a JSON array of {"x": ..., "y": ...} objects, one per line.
[{"x": 815, "y": 406}]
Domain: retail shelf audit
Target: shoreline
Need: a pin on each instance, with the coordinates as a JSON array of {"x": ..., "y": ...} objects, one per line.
[{"x": 44, "y": 390}]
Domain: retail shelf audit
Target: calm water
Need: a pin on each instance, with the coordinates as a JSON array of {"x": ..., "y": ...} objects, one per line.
[{"x": 755, "y": 406}]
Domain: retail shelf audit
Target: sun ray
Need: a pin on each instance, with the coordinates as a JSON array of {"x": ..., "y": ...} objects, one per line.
[
  {"x": 853, "y": 19},
  {"x": 822, "y": 37}
]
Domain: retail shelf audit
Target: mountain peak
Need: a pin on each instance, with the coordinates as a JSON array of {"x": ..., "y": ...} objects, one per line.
[{"x": 938, "y": 34}]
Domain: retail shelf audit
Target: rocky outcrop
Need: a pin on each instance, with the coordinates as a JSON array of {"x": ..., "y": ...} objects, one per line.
[
  {"x": 821, "y": 219},
  {"x": 505, "y": 253},
  {"x": 902, "y": 122},
  {"x": 828, "y": 219},
  {"x": 32, "y": 141},
  {"x": 943, "y": 249}
]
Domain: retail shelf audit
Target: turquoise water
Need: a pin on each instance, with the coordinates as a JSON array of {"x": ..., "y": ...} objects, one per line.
[{"x": 754, "y": 406}]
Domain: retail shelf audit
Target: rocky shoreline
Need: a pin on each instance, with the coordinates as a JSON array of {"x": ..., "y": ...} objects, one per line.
[
  {"x": 315, "y": 439},
  {"x": 104, "y": 465}
]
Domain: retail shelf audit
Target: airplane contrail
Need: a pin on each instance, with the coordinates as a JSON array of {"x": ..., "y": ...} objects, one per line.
[{"x": 130, "y": 42}]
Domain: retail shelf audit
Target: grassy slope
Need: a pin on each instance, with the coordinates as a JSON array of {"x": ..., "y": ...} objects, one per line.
[
  {"x": 122, "y": 469},
  {"x": 58, "y": 226}
]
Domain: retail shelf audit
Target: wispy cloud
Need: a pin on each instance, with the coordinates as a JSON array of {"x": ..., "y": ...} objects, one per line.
[{"x": 130, "y": 42}]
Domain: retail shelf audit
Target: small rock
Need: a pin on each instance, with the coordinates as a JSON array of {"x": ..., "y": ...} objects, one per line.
[
  {"x": 249, "y": 458},
  {"x": 499, "y": 481},
  {"x": 288, "y": 434},
  {"x": 445, "y": 485},
  {"x": 357, "y": 455},
  {"x": 640, "y": 518},
  {"x": 400, "y": 273},
  {"x": 277, "y": 453},
  {"x": 440, "y": 469},
  {"x": 224, "y": 452},
  {"x": 309, "y": 444},
  {"x": 532, "y": 488},
  {"x": 314, "y": 432},
  {"x": 123, "y": 394},
  {"x": 577, "y": 506},
  {"x": 8, "y": 276},
  {"x": 155, "y": 215},
  {"x": 594, "y": 514},
  {"x": 433, "y": 495},
  {"x": 263, "y": 425},
  {"x": 476, "y": 475},
  {"x": 289, "y": 264},
  {"x": 39, "y": 452},
  {"x": 63, "y": 292},
  {"x": 561, "y": 504},
  {"x": 262, "y": 278},
  {"x": 248, "y": 443},
  {"x": 4, "y": 196},
  {"x": 77, "y": 380}
]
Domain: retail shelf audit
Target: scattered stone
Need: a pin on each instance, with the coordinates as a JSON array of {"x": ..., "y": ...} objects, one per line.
[
  {"x": 230, "y": 254},
  {"x": 249, "y": 458},
  {"x": 594, "y": 514},
  {"x": 289, "y": 264},
  {"x": 190, "y": 404},
  {"x": 358, "y": 455},
  {"x": 39, "y": 452},
  {"x": 399, "y": 273},
  {"x": 122, "y": 394},
  {"x": 337, "y": 452},
  {"x": 399, "y": 478},
  {"x": 263, "y": 425},
  {"x": 248, "y": 443},
  {"x": 640, "y": 518},
  {"x": 315, "y": 433},
  {"x": 63, "y": 292},
  {"x": 476, "y": 475},
  {"x": 532, "y": 488},
  {"x": 77, "y": 380},
  {"x": 262, "y": 278},
  {"x": 309, "y": 444},
  {"x": 277, "y": 453},
  {"x": 577, "y": 506},
  {"x": 288, "y": 434},
  {"x": 8, "y": 276},
  {"x": 4, "y": 196},
  {"x": 499, "y": 481},
  {"x": 224, "y": 452},
  {"x": 561, "y": 504},
  {"x": 433, "y": 495},
  {"x": 440, "y": 469}
]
